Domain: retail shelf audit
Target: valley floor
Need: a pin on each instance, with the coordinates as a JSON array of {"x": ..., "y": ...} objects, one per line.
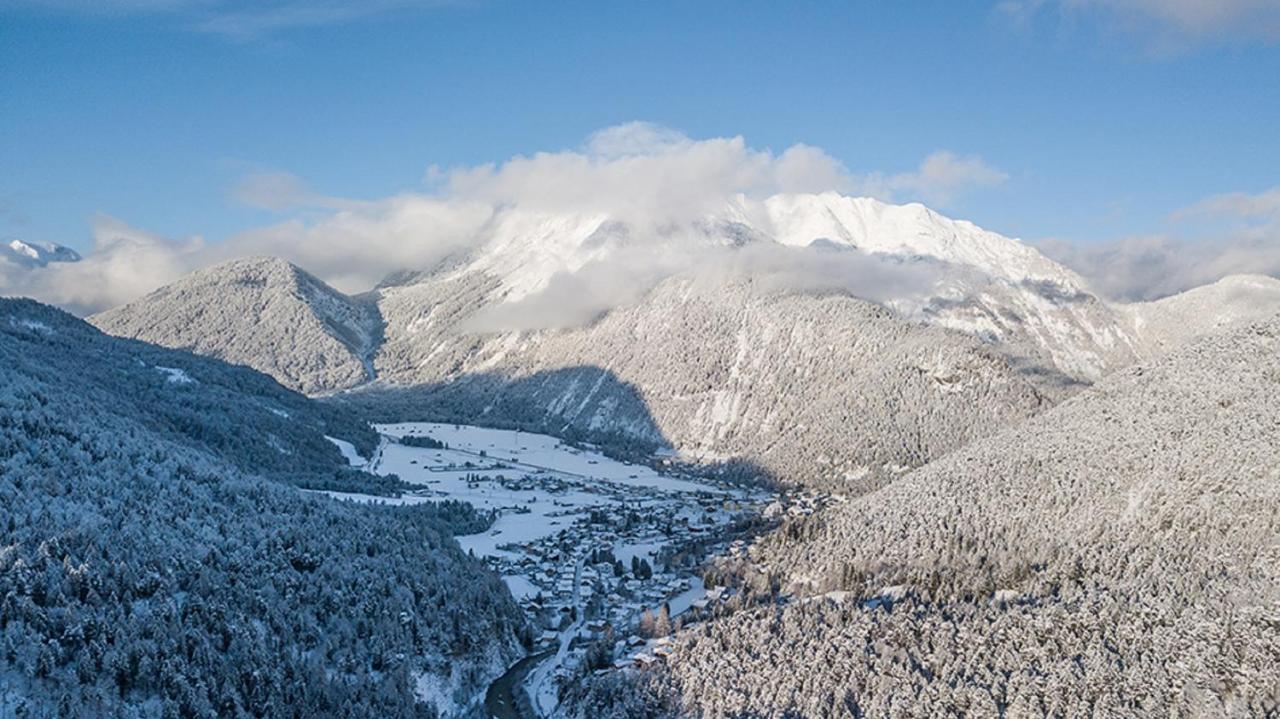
[{"x": 603, "y": 555}]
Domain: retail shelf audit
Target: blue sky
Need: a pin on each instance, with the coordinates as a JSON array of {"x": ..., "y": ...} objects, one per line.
[{"x": 1106, "y": 117}]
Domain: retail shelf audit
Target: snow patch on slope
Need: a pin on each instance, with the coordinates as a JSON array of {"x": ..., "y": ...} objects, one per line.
[
  {"x": 349, "y": 452},
  {"x": 175, "y": 375}
]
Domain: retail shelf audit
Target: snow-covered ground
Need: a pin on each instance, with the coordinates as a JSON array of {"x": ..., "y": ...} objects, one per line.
[
  {"x": 348, "y": 450},
  {"x": 532, "y": 452},
  {"x": 520, "y": 586},
  {"x": 548, "y": 484},
  {"x": 401, "y": 501},
  {"x": 175, "y": 375}
]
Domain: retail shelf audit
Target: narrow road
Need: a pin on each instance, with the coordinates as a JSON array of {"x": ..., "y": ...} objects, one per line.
[{"x": 550, "y": 660}]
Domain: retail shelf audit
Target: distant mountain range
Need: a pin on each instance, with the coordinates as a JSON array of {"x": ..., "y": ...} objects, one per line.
[
  {"x": 35, "y": 254},
  {"x": 752, "y": 346}
]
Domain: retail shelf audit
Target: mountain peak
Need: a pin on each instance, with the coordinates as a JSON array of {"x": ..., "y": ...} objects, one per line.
[
  {"x": 36, "y": 254},
  {"x": 264, "y": 267},
  {"x": 262, "y": 311}
]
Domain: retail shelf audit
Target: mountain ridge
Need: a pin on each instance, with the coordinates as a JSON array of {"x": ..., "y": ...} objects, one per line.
[
  {"x": 553, "y": 297},
  {"x": 36, "y": 254}
]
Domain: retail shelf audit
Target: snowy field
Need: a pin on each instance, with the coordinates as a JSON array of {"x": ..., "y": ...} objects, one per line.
[
  {"x": 531, "y": 452},
  {"x": 565, "y": 481}
]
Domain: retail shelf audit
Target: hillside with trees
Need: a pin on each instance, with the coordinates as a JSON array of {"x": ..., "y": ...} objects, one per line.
[
  {"x": 262, "y": 312},
  {"x": 1116, "y": 555},
  {"x": 151, "y": 566}
]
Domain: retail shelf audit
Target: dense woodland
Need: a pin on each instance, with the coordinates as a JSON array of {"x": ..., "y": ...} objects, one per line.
[
  {"x": 1115, "y": 556},
  {"x": 146, "y": 569}
]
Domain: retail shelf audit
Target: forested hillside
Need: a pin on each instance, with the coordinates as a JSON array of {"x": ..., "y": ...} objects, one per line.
[
  {"x": 1116, "y": 555},
  {"x": 243, "y": 416},
  {"x": 148, "y": 569}
]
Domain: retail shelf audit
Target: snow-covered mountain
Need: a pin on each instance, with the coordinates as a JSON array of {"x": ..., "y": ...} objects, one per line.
[
  {"x": 820, "y": 336},
  {"x": 262, "y": 312},
  {"x": 810, "y": 387},
  {"x": 983, "y": 283},
  {"x": 1228, "y": 304},
  {"x": 35, "y": 254}
]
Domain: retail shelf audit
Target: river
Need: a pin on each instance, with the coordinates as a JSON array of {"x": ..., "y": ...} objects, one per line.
[{"x": 503, "y": 700}]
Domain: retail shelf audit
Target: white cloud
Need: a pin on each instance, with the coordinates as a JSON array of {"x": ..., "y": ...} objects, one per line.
[
  {"x": 941, "y": 178},
  {"x": 646, "y": 176},
  {"x": 357, "y": 247},
  {"x": 1238, "y": 205},
  {"x": 1151, "y": 267},
  {"x": 641, "y": 173},
  {"x": 1242, "y": 236},
  {"x": 1167, "y": 24},
  {"x": 572, "y": 299},
  {"x": 237, "y": 19},
  {"x": 261, "y": 19},
  {"x": 125, "y": 262},
  {"x": 635, "y": 138},
  {"x": 280, "y": 191}
]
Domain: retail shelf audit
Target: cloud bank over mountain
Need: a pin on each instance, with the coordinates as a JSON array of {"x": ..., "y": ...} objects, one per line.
[
  {"x": 124, "y": 263},
  {"x": 1233, "y": 233},
  {"x": 664, "y": 187},
  {"x": 651, "y": 178},
  {"x": 574, "y": 299}
]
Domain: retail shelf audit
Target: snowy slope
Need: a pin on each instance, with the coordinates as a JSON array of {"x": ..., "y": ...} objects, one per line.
[
  {"x": 994, "y": 287},
  {"x": 144, "y": 529},
  {"x": 907, "y": 230},
  {"x": 1225, "y": 305},
  {"x": 824, "y": 388},
  {"x": 262, "y": 312}
]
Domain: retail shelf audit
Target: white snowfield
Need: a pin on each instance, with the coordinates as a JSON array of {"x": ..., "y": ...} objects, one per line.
[
  {"x": 175, "y": 375},
  {"x": 532, "y": 452},
  {"x": 348, "y": 450},
  {"x": 592, "y": 479}
]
